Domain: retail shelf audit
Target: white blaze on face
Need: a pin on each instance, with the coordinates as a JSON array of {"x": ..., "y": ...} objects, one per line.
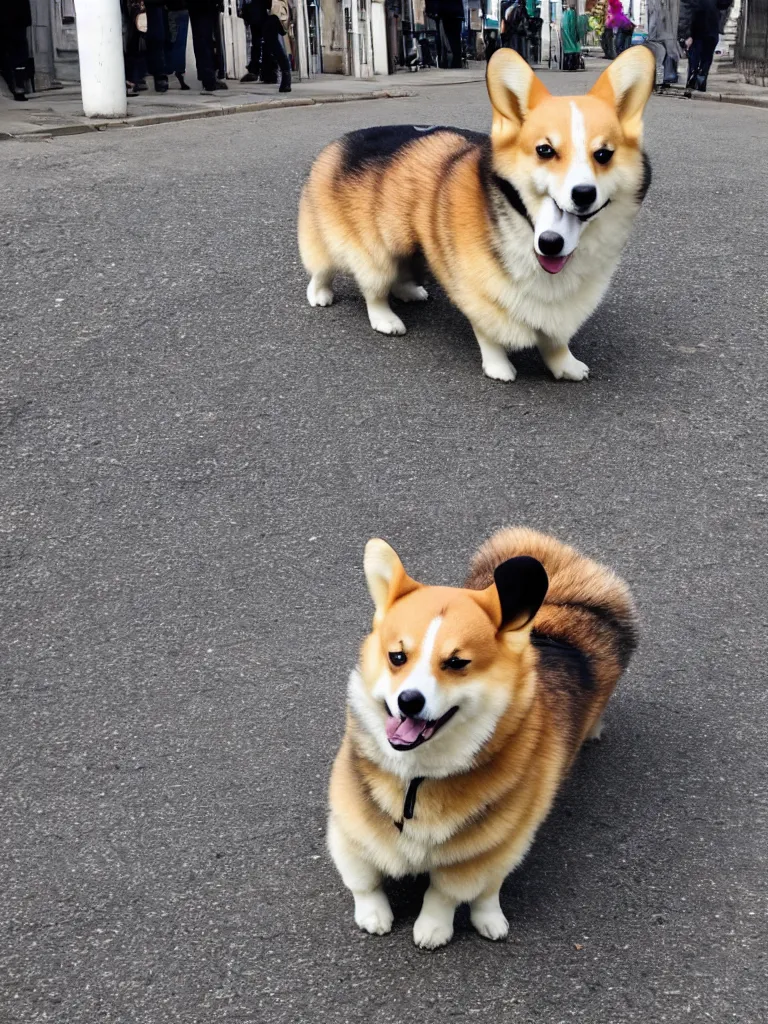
[
  {"x": 551, "y": 218},
  {"x": 580, "y": 171},
  {"x": 421, "y": 677}
]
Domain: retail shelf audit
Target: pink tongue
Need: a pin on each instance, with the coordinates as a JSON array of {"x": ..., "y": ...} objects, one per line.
[
  {"x": 406, "y": 730},
  {"x": 552, "y": 264}
]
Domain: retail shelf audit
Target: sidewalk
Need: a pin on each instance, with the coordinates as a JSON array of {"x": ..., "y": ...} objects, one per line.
[
  {"x": 59, "y": 112},
  {"x": 724, "y": 86}
]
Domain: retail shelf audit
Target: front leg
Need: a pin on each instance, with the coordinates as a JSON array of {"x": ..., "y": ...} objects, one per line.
[
  {"x": 487, "y": 917},
  {"x": 496, "y": 335},
  {"x": 560, "y": 361},
  {"x": 372, "y": 910},
  {"x": 434, "y": 925},
  {"x": 496, "y": 364}
]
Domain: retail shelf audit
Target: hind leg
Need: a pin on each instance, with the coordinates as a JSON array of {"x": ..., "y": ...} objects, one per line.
[
  {"x": 596, "y": 731},
  {"x": 381, "y": 315},
  {"x": 319, "y": 291},
  {"x": 409, "y": 291},
  {"x": 376, "y": 280},
  {"x": 315, "y": 257},
  {"x": 409, "y": 286}
]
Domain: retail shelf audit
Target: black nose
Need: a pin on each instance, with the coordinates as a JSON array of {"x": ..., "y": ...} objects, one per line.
[
  {"x": 583, "y": 195},
  {"x": 551, "y": 243},
  {"x": 411, "y": 702}
]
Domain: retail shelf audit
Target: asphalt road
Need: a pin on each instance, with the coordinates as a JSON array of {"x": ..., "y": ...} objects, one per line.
[{"x": 192, "y": 462}]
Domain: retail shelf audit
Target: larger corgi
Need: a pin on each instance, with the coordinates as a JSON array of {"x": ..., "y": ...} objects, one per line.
[
  {"x": 523, "y": 229},
  {"x": 465, "y": 713}
]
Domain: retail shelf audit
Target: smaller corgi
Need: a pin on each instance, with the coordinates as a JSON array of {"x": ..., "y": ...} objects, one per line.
[{"x": 464, "y": 715}]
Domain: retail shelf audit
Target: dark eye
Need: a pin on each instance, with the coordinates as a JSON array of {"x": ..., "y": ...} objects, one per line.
[
  {"x": 603, "y": 156},
  {"x": 456, "y": 664},
  {"x": 398, "y": 658},
  {"x": 545, "y": 151}
]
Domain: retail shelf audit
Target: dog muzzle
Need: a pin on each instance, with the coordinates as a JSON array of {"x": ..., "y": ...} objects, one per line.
[{"x": 555, "y": 236}]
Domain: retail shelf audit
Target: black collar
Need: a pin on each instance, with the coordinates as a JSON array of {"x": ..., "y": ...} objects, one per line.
[
  {"x": 410, "y": 801},
  {"x": 583, "y": 217},
  {"x": 512, "y": 196},
  {"x": 515, "y": 200}
]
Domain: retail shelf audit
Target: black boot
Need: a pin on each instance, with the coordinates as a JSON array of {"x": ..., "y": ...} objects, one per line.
[
  {"x": 18, "y": 85},
  {"x": 182, "y": 84},
  {"x": 161, "y": 83},
  {"x": 285, "y": 82}
]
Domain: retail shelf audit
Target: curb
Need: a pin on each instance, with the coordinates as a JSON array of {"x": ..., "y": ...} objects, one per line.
[
  {"x": 196, "y": 115},
  {"x": 738, "y": 99}
]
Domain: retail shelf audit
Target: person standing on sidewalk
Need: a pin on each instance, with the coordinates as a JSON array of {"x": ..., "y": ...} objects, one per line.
[
  {"x": 269, "y": 21},
  {"x": 15, "y": 19},
  {"x": 569, "y": 35},
  {"x": 203, "y": 15},
  {"x": 156, "y": 41},
  {"x": 135, "y": 30},
  {"x": 619, "y": 23},
  {"x": 700, "y": 25},
  {"x": 451, "y": 21}
]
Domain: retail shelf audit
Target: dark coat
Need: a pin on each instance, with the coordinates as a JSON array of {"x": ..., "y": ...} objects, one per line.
[
  {"x": 702, "y": 19},
  {"x": 15, "y": 15},
  {"x": 450, "y": 9},
  {"x": 205, "y": 6}
]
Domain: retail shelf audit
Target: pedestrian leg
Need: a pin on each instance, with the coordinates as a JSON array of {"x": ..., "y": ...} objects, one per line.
[
  {"x": 201, "y": 24},
  {"x": 706, "y": 56},
  {"x": 156, "y": 44},
  {"x": 694, "y": 58},
  {"x": 273, "y": 44}
]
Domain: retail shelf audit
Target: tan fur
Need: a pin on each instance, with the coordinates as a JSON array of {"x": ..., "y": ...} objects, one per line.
[
  {"x": 472, "y": 827},
  {"x": 432, "y": 198}
]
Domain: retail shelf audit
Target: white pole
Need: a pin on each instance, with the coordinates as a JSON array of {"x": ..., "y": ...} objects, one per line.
[
  {"x": 355, "y": 39},
  {"x": 100, "y": 49},
  {"x": 304, "y": 69}
]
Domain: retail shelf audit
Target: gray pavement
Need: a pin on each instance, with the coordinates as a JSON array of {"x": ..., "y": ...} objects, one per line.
[{"x": 192, "y": 461}]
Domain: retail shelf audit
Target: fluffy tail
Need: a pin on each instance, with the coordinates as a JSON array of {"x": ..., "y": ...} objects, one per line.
[{"x": 576, "y": 583}]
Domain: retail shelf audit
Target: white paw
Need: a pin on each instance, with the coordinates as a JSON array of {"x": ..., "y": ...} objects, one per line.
[
  {"x": 499, "y": 368},
  {"x": 373, "y": 913},
  {"x": 431, "y": 932},
  {"x": 596, "y": 732},
  {"x": 407, "y": 291},
  {"x": 319, "y": 296},
  {"x": 491, "y": 924},
  {"x": 386, "y": 322},
  {"x": 569, "y": 368}
]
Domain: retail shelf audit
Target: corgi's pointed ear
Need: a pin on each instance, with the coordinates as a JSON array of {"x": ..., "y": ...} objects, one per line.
[
  {"x": 626, "y": 85},
  {"x": 387, "y": 579},
  {"x": 516, "y": 594},
  {"x": 514, "y": 91}
]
